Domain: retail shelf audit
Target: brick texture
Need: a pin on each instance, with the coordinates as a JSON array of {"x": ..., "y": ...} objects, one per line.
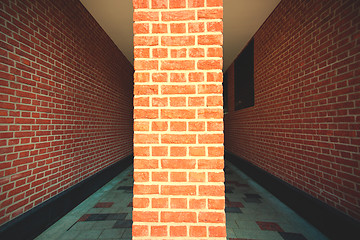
[
  {"x": 304, "y": 127},
  {"x": 178, "y": 126},
  {"x": 65, "y": 101}
]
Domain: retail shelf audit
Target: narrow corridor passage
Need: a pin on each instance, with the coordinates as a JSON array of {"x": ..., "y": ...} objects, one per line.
[{"x": 252, "y": 213}]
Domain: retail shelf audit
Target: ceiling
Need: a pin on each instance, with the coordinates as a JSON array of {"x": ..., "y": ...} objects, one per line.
[{"x": 242, "y": 18}]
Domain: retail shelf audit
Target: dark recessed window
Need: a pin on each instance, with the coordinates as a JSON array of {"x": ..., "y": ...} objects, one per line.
[
  {"x": 225, "y": 92},
  {"x": 244, "y": 77}
]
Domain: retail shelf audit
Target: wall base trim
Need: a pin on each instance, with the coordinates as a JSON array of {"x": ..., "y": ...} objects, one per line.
[
  {"x": 330, "y": 221},
  {"x": 35, "y": 221}
]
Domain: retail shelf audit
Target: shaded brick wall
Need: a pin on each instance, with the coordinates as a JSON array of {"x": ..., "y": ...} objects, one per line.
[
  {"x": 178, "y": 141},
  {"x": 304, "y": 127},
  {"x": 66, "y": 101}
]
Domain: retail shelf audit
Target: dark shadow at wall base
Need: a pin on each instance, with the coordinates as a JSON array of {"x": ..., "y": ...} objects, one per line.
[
  {"x": 32, "y": 223},
  {"x": 331, "y": 222}
]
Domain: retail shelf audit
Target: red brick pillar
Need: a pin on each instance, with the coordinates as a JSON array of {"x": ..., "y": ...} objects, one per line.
[{"x": 178, "y": 127}]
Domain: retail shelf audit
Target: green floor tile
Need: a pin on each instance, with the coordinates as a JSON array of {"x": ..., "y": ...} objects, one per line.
[
  {"x": 104, "y": 225},
  {"x": 112, "y": 233},
  {"x": 89, "y": 235}
]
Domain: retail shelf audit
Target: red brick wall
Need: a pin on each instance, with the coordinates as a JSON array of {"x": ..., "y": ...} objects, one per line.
[
  {"x": 304, "y": 127},
  {"x": 178, "y": 120},
  {"x": 66, "y": 101}
]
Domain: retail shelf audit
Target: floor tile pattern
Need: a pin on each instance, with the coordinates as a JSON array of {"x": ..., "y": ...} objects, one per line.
[
  {"x": 251, "y": 213},
  {"x": 106, "y": 215},
  {"x": 269, "y": 226},
  {"x": 292, "y": 236},
  {"x": 103, "y": 205},
  {"x": 240, "y": 239},
  {"x": 261, "y": 215}
]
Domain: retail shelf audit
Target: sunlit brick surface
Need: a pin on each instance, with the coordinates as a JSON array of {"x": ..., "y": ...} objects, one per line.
[{"x": 178, "y": 127}]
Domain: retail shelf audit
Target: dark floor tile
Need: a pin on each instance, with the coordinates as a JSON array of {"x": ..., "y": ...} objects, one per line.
[
  {"x": 125, "y": 188},
  {"x": 252, "y": 200},
  {"x": 103, "y": 205},
  {"x": 236, "y": 183},
  {"x": 116, "y": 216},
  {"x": 235, "y": 204},
  {"x": 84, "y": 217},
  {"x": 128, "y": 189},
  {"x": 241, "y": 239},
  {"x": 233, "y": 210},
  {"x": 229, "y": 189},
  {"x": 252, "y": 195},
  {"x": 123, "y": 224},
  {"x": 97, "y": 217},
  {"x": 231, "y": 182},
  {"x": 269, "y": 226},
  {"x": 292, "y": 236}
]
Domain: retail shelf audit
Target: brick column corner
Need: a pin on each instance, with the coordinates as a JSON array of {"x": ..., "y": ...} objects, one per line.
[{"x": 179, "y": 187}]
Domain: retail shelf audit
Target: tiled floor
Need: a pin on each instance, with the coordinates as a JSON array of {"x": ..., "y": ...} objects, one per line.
[
  {"x": 251, "y": 213},
  {"x": 254, "y": 213},
  {"x": 104, "y": 215}
]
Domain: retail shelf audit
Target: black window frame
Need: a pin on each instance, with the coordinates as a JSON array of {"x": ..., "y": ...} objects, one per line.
[{"x": 225, "y": 92}]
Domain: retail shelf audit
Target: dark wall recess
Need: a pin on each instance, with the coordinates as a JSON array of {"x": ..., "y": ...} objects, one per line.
[{"x": 244, "y": 77}]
